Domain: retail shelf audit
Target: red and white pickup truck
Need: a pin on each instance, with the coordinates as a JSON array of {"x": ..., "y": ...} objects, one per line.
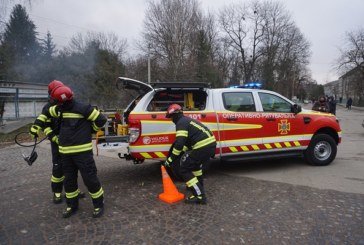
[{"x": 247, "y": 123}]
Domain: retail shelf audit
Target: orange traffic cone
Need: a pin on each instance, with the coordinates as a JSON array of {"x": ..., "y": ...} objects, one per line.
[{"x": 170, "y": 193}]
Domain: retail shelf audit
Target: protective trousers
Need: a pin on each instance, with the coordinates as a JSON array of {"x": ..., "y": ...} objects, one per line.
[
  {"x": 57, "y": 171},
  {"x": 84, "y": 162},
  {"x": 191, "y": 168}
]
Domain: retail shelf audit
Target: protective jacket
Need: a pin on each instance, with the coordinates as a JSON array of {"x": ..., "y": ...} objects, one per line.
[
  {"x": 190, "y": 134},
  {"x": 77, "y": 123},
  {"x": 42, "y": 122}
]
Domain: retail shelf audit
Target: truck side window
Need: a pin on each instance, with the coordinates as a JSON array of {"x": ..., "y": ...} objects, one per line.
[
  {"x": 273, "y": 103},
  {"x": 239, "y": 101}
]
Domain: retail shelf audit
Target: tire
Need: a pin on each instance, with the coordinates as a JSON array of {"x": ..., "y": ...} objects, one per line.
[{"x": 321, "y": 151}]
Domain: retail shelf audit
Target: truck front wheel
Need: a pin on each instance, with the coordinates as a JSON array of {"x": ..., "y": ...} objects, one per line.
[{"x": 321, "y": 150}]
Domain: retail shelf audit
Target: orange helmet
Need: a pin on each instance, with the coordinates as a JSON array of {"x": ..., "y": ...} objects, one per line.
[
  {"x": 53, "y": 85},
  {"x": 173, "y": 109},
  {"x": 62, "y": 94}
]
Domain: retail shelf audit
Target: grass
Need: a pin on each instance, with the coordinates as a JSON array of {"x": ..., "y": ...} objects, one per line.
[{"x": 9, "y": 137}]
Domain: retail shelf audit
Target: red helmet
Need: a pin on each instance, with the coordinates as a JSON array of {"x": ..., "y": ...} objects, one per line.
[
  {"x": 53, "y": 85},
  {"x": 62, "y": 94},
  {"x": 173, "y": 109}
]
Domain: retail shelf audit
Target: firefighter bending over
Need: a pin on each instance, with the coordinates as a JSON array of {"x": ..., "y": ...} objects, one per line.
[
  {"x": 198, "y": 143},
  {"x": 77, "y": 123}
]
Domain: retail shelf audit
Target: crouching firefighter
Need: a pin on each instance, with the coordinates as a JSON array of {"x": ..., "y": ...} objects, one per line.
[
  {"x": 52, "y": 124},
  {"x": 198, "y": 143},
  {"x": 77, "y": 123}
]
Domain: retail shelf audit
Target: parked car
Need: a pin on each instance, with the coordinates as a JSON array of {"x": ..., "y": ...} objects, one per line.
[{"x": 247, "y": 123}]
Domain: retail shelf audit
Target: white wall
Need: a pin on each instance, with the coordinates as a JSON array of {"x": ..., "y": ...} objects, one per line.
[{"x": 26, "y": 109}]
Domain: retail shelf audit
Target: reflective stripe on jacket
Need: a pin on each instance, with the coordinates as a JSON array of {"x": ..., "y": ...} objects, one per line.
[
  {"x": 77, "y": 122},
  {"x": 190, "y": 134}
]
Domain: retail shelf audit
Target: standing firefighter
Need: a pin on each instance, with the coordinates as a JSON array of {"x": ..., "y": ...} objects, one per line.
[
  {"x": 77, "y": 123},
  {"x": 51, "y": 125},
  {"x": 199, "y": 145}
]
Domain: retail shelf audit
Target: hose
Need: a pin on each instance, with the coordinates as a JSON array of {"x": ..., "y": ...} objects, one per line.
[{"x": 35, "y": 140}]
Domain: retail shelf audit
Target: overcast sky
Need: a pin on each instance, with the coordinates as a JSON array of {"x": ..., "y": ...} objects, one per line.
[{"x": 323, "y": 22}]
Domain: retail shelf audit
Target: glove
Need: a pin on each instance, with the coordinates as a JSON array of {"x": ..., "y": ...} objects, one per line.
[
  {"x": 33, "y": 135},
  {"x": 55, "y": 139},
  {"x": 33, "y": 131},
  {"x": 166, "y": 164}
]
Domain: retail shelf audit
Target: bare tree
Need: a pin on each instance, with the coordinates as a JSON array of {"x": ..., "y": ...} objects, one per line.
[
  {"x": 351, "y": 62},
  {"x": 352, "y": 55},
  {"x": 269, "y": 44},
  {"x": 242, "y": 26},
  {"x": 169, "y": 29},
  {"x": 107, "y": 41}
]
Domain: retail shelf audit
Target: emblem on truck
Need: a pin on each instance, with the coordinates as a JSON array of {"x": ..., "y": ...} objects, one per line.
[
  {"x": 284, "y": 127},
  {"x": 146, "y": 140}
]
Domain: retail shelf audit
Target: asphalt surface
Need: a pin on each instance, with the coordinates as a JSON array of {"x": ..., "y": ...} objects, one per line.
[{"x": 243, "y": 206}]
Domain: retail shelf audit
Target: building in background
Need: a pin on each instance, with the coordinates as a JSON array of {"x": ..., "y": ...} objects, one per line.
[
  {"x": 21, "y": 100},
  {"x": 349, "y": 85}
]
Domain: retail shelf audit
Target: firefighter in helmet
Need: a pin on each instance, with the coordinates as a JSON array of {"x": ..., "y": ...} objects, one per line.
[
  {"x": 77, "y": 123},
  {"x": 51, "y": 129},
  {"x": 198, "y": 144}
]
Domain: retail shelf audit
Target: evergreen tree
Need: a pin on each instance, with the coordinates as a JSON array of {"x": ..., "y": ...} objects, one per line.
[
  {"x": 46, "y": 65},
  {"x": 205, "y": 70},
  {"x": 20, "y": 45},
  {"x": 48, "y": 47}
]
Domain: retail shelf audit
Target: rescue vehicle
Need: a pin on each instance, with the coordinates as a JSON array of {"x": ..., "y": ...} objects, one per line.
[{"x": 247, "y": 123}]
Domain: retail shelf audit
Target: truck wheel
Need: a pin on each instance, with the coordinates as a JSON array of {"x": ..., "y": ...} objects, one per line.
[{"x": 321, "y": 150}]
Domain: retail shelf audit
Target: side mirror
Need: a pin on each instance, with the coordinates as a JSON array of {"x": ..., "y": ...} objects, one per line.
[{"x": 296, "y": 108}]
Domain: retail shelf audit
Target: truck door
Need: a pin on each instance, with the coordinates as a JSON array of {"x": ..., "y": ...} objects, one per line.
[
  {"x": 283, "y": 130},
  {"x": 240, "y": 127}
]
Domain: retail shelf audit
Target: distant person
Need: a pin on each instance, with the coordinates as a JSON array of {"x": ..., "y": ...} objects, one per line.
[
  {"x": 349, "y": 103},
  {"x": 341, "y": 100},
  {"x": 332, "y": 104},
  {"x": 321, "y": 105}
]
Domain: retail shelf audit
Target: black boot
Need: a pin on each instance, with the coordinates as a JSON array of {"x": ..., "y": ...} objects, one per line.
[
  {"x": 69, "y": 211},
  {"x": 201, "y": 199},
  {"x": 98, "y": 212},
  {"x": 198, "y": 195},
  {"x": 200, "y": 180},
  {"x": 57, "y": 198}
]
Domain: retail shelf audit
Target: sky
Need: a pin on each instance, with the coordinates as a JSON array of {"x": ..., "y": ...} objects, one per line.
[{"x": 323, "y": 22}]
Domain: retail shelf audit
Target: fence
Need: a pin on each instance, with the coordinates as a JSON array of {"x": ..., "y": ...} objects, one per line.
[{"x": 21, "y": 100}]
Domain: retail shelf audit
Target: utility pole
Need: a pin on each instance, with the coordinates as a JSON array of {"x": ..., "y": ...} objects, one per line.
[{"x": 149, "y": 79}]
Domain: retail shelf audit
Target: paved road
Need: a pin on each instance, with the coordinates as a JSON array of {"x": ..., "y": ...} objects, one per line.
[{"x": 246, "y": 206}]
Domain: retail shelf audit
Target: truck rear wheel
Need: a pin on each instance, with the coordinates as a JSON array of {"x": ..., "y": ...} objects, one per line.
[{"x": 321, "y": 150}]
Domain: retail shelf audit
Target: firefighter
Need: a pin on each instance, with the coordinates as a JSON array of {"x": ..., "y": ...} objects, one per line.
[
  {"x": 43, "y": 123},
  {"x": 77, "y": 123},
  {"x": 199, "y": 145},
  {"x": 321, "y": 105}
]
